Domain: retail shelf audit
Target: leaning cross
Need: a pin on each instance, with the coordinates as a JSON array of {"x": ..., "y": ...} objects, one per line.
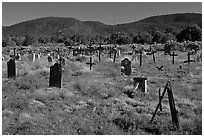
[
  {"x": 189, "y": 60},
  {"x": 91, "y": 63}
]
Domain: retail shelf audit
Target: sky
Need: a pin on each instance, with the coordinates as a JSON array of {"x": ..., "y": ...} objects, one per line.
[{"x": 105, "y": 12}]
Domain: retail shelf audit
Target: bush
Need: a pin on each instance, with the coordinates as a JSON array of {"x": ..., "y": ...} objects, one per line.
[{"x": 192, "y": 33}]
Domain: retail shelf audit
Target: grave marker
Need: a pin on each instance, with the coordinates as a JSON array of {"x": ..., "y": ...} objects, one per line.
[
  {"x": 173, "y": 56},
  {"x": 160, "y": 105},
  {"x": 140, "y": 84},
  {"x": 99, "y": 54},
  {"x": 140, "y": 58},
  {"x": 91, "y": 63},
  {"x": 55, "y": 76},
  {"x": 11, "y": 68},
  {"x": 126, "y": 65},
  {"x": 110, "y": 51},
  {"x": 115, "y": 52},
  {"x": 189, "y": 60},
  {"x": 174, "y": 112}
]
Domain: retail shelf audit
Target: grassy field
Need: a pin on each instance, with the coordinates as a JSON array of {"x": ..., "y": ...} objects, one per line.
[{"x": 97, "y": 102}]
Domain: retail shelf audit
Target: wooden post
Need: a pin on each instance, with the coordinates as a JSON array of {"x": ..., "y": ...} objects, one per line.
[
  {"x": 160, "y": 107},
  {"x": 174, "y": 114},
  {"x": 110, "y": 51},
  {"x": 153, "y": 57},
  {"x": 140, "y": 58},
  {"x": 115, "y": 52},
  {"x": 159, "y": 102}
]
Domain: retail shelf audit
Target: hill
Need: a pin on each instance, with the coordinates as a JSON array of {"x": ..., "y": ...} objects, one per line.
[{"x": 48, "y": 26}]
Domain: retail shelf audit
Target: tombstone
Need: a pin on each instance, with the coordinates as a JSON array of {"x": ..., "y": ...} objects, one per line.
[
  {"x": 11, "y": 68},
  {"x": 55, "y": 76},
  {"x": 167, "y": 49},
  {"x": 49, "y": 59},
  {"x": 126, "y": 64},
  {"x": 140, "y": 83}
]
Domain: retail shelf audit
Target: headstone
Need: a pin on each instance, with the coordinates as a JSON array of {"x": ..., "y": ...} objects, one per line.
[
  {"x": 126, "y": 64},
  {"x": 140, "y": 84},
  {"x": 55, "y": 76},
  {"x": 11, "y": 68}
]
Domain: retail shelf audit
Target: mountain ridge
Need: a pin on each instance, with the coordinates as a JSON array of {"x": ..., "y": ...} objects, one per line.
[{"x": 48, "y": 26}]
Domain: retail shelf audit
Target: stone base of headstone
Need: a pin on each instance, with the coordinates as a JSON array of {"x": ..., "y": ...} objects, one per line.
[{"x": 140, "y": 83}]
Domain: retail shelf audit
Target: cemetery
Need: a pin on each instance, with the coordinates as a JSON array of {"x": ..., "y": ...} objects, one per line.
[
  {"x": 102, "y": 68},
  {"x": 101, "y": 91}
]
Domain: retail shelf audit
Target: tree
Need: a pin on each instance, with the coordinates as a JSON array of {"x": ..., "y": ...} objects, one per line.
[
  {"x": 167, "y": 37},
  {"x": 143, "y": 37},
  {"x": 28, "y": 40},
  {"x": 192, "y": 33},
  {"x": 157, "y": 37}
]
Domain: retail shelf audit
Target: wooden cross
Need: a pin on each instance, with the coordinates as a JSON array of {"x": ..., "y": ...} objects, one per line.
[
  {"x": 189, "y": 60},
  {"x": 173, "y": 56},
  {"x": 90, "y": 49},
  {"x": 174, "y": 113},
  {"x": 160, "y": 68},
  {"x": 91, "y": 63}
]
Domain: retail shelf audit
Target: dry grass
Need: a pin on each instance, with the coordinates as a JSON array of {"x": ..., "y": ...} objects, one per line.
[{"x": 96, "y": 102}]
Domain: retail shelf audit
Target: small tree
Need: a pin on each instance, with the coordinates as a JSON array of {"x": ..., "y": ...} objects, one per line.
[
  {"x": 168, "y": 37},
  {"x": 28, "y": 40},
  {"x": 157, "y": 37}
]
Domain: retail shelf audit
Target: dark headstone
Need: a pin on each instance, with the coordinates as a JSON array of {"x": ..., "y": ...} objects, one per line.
[
  {"x": 11, "y": 68},
  {"x": 126, "y": 64},
  {"x": 56, "y": 75}
]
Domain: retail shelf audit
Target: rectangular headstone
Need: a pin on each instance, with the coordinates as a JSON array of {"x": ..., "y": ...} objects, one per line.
[
  {"x": 11, "y": 68},
  {"x": 126, "y": 65},
  {"x": 55, "y": 76}
]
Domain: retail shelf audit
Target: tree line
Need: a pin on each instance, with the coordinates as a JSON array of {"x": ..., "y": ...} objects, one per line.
[{"x": 191, "y": 33}]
